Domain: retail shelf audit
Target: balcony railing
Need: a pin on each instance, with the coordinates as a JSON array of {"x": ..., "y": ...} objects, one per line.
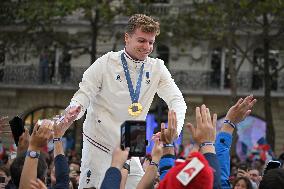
[
  {"x": 32, "y": 75},
  {"x": 188, "y": 81}
]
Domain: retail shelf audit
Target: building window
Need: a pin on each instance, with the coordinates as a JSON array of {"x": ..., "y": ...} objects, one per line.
[
  {"x": 258, "y": 69},
  {"x": 227, "y": 78},
  {"x": 216, "y": 61},
  {"x": 163, "y": 54}
]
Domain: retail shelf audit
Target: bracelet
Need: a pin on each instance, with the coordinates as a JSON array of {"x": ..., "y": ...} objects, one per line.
[
  {"x": 206, "y": 144},
  {"x": 169, "y": 145},
  {"x": 154, "y": 163},
  {"x": 127, "y": 167},
  {"x": 57, "y": 139},
  {"x": 230, "y": 123}
]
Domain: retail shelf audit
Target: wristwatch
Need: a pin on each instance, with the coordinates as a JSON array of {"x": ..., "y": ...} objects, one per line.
[{"x": 32, "y": 154}]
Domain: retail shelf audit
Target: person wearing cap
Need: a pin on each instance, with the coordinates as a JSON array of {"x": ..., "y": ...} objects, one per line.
[
  {"x": 204, "y": 135},
  {"x": 236, "y": 114},
  {"x": 121, "y": 86},
  {"x": 204, "y": 150}
]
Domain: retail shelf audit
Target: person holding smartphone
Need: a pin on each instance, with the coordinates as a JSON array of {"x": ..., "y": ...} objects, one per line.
[
  {"x": 4, "y": 177},
  {"x": 121, "y": 86}
]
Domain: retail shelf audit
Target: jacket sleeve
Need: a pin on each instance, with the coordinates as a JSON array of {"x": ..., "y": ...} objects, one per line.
[
  {"x": 165, "y": 164},
  {"x": 61, "y": 172},
  {"x": 90, "y": 85},
  {"x": 214, "y": 163},
  {"x": 170, "y": 93},
  {"x": 223, "y": 145},
  {"x": 112, "y": 179}
]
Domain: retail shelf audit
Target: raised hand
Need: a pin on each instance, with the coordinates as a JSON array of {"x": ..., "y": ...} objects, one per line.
[
  {"x": 23, "y": 141},
  {"x": 205, "y": 130},
  {"x": 168, "y": 135},
  {"x": 37, "y": 184},
  {"x": 59, "y": 129},
  {"x": 157, "y": 151},
  {"x": 241, "y": 109},
  {"x": 119, "y": 157},
  {"x": 71, "y": 114},
  {"x": 41, "y": 135}
]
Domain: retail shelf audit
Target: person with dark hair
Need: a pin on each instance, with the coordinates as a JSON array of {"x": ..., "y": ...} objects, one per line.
[
  {"x": 121, "y": 86},
  {"x": 4, "y": 176},
  {"x": 17, "y": 167},
  {"x": 242, "y": 183},
  {"x": 31, "y": 165},
  {"x": 273, "y": 179}
]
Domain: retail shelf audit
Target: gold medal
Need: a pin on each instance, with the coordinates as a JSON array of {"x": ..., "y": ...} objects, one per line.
[{"x": 135, "y": 109}]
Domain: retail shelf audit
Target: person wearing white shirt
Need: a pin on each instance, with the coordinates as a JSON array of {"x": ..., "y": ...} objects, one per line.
[{"x": 121, "y": 86}]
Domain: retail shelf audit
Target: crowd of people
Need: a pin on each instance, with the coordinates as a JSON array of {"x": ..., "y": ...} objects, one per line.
[
  {"x": 208, "y": 165},
  {"x": 121, "y": 86}
]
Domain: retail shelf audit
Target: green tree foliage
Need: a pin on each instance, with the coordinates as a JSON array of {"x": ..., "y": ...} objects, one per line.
[
  {"x": 224, "y": 22},
  {"x": 35, "y": 24}
]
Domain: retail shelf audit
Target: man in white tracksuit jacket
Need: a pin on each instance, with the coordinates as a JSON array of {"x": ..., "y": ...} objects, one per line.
[{"x": 104, "y": 93}]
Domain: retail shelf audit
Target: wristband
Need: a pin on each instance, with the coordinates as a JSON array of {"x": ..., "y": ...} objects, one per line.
[
  {"x": 206, "y": 144},
  {"x": 154, "y": 163},
  {"x": 127, "y": 167},
  {"x": 169, "y": 145},
  {"x": 230, "y": 123},
  {"x": 57, "y": 139}
]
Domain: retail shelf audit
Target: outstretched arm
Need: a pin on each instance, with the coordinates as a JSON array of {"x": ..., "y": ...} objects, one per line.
[
  {"x": 112, "y": 177},
  {"x": 170, "y": 93},
  {"x": 60, "y": 161},
  {"x": 204, "y": 135},
  {"x": 236, "y": 114},
  {"x": 150, "y": 175},
  {"x": 39, "y": 138}
]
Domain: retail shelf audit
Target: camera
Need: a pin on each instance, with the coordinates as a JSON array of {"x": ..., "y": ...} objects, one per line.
[{"x": 133, "y": 135}]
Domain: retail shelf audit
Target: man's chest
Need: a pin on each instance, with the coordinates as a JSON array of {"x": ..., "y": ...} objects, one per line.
[{"x": 116, "y": 81}]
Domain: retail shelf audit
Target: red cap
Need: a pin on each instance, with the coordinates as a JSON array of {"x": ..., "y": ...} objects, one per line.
[{"x": 203, "y": 180}]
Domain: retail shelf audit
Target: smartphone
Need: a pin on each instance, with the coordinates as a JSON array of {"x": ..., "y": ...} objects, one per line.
[
  {"x": 272, "y": 165},
  {"x": 133, "y": 135},
  {"x": 2, "y": 179},
  {"x": 243, "y": 166},
  {"x": 17, "y": 128}
]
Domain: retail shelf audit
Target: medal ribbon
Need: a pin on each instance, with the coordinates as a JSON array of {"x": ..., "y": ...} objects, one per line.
[{"x": 133, "y": 94}]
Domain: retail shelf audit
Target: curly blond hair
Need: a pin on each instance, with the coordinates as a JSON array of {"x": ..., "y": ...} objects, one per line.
[{"x": 144, "y": 22}]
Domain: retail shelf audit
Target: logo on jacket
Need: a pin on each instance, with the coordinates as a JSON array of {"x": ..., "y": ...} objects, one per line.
[
  {"x": 118, "y": 78},
  {"x": 147, "y": 78},
  {"x": 88, "y": 176}
]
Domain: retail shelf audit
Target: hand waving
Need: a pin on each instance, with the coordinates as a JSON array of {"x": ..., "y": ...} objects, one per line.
[
  {"x": 241, "y": 109},
  {"x": 168, "y": 135},
  {"x": 205, "y": 131},
  {"x": 40, "y": 135}
]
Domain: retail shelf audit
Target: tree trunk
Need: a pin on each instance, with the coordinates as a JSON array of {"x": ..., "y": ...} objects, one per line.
[
  {"x": 94, "y": 25},
  {"x": 267, "y": 85},
  {"x": 233, "y": 83}
]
